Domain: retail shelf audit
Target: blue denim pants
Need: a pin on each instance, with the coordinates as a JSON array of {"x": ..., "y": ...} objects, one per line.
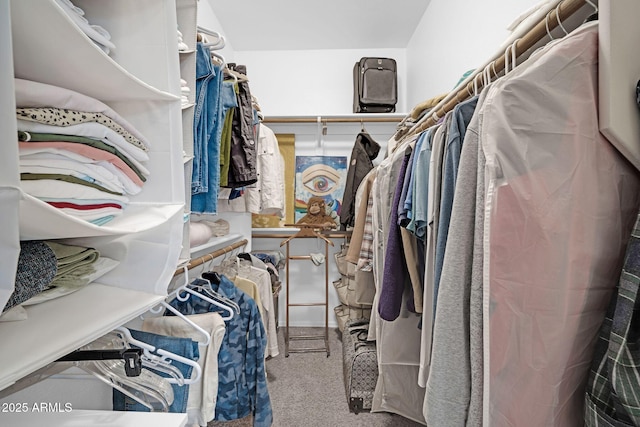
[
  {"x": 224, "y": 98},
  {"x": 203, "y": 116},
  {"x": 185, "y": 347}
]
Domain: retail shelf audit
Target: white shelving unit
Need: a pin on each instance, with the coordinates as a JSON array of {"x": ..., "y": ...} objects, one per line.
[
  {"x": 187, "y": 23},
  {"x": 140, "y": 80}
]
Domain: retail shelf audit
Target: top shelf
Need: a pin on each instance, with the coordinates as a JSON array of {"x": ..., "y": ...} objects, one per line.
[{"x": 339, "y": 118}]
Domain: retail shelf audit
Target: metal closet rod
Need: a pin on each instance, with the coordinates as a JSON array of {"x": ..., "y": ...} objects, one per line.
[
  {"x": 211, "y": 256},
  {"x": 533, "y": 36},
  {"x": 320, "y": 119}
]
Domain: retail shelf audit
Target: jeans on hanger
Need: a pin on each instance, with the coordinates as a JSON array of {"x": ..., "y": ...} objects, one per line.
[
  {"x": 207, "y": 201},
  {"x": 203, "y": 116},
  {"x": 184, "y": 347}
]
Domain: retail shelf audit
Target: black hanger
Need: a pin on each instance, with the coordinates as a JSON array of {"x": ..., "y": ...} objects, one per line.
[
  {"x": 592, "y": 17},
  {"x": 131, "y": 356},
  {"x": 245, "y": 256},
  {"x": 212, "y": 276}
]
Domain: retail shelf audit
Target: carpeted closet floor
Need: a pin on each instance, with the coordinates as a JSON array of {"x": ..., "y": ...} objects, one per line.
[{"x": 307, "y": 389}]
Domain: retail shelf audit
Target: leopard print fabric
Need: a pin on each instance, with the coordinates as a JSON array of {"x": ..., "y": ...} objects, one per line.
[{"x": 64, "y": 117}]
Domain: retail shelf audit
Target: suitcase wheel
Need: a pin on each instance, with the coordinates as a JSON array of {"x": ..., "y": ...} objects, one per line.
[{"x": 356, "y": 404}]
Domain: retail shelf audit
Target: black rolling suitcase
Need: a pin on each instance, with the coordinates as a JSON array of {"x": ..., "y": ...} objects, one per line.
[
  {"x": 375, "y": 85},
  {"x": 360, "y": 365}
]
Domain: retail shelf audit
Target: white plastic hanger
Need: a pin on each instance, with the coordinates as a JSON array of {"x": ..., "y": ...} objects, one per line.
[
  {"x": 188, "y": 290},
  {"x": 162, "y": 355},
  {"x": 205, "y": 334},
  {"x": 566, "y": 33},
  {"x": 220, "y": 40},
  {"x": 116, "y": 341},
  {"x": 512, "y": 46},
  {"x": 209, "y": 291},
  {"x": 217, "y": 45},
  {"x": 220, "y": 58},
  {"x": 113, "y": 381}
]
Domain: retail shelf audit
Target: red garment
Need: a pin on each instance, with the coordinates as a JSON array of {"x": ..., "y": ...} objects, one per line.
[{"x": 84, "y": 207}]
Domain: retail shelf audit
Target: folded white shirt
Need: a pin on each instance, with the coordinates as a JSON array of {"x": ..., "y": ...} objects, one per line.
[
  {"x": 93, "y": 214},
  {"x": 67, "y": 190},
  {"x": 45, "y": 153},
  {"x": 95, "y": 131},
  {"x": 30, "y": 94},
  {"x": 95, "y": 172}
]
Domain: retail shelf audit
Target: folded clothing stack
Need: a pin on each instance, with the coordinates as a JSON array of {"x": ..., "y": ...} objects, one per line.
[
  {"x": 96, "y": 33},
  {"x": 182, "y": 46},
  {"x": 184, "y": 92},
  {"x": 76, "y": 153},
  {"x": 48, "y": 270}
]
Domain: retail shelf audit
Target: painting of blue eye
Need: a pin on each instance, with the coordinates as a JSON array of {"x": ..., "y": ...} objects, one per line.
[
  {"x": 321, "y": 176},
  {"x": 320, "y": 185},
  {"x": 320, "y": 179}
]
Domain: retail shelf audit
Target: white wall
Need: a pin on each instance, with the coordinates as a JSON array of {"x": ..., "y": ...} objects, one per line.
[
  {"x": 453, "y": 37},
  {"x": 311, "y": 82},
  {"x": 208, "y": 20}
]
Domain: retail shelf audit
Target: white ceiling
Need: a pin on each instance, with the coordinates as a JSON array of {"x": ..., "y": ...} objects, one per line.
[{"x": 322, "y": 24}]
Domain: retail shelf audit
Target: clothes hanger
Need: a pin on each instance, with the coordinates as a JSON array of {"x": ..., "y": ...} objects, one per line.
[
  {"x": 238, "y": 77},
  {"x": 147, "y": 388},
  {"x": 164, "y": 305},
  {"x": 208, "y": 290},
  {"x": 362, "y": 128},
  {"x": 512, "y": 46},
  {"x": 219, "y": 44},
  {"x": 594, "y": 15},
  {"x": 113, "y": 381},
  {"x": 566, "y": 33},
  {"x": 185, "y": 288},
  {"x": 115, "y": 341},
  {"x": 307, "y": 230},
  {"x": 218, "y": 304},
  {"x": 162, "y": 356},
  {"x": 546, "y": 24},
  {"x": 148, "y": 384},
  {"x": 220, "y": 40},
  {"x": 220, "y": 58}
]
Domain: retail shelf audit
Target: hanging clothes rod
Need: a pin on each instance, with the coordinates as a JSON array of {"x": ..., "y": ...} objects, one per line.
[
  {"x": 211, "y": 256},
  {"x": 320, "y": 119},
  {"x": 208, "y": 32},
  {"x": 334, "y": 235},
  {"x": 548, "y": 23}
]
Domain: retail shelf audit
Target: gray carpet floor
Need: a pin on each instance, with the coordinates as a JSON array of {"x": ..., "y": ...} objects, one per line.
[{"x": 307, "y": 389}]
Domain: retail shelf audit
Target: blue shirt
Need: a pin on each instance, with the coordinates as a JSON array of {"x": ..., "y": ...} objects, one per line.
[
  {"x": 418, "y": 223},
  {"x": 242, "y": 382},
  {"x": 462, "y": 114},
  {"x": 406, "y": 209}
]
